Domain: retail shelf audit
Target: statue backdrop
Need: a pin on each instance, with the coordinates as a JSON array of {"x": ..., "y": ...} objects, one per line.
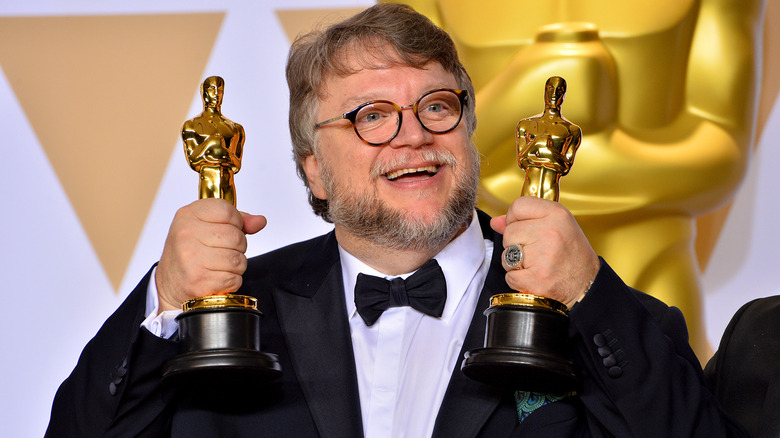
[{"x": 666, "y": 95}]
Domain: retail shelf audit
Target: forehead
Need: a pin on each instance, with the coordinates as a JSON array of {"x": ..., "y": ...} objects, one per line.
[{"x": 382, "y": 79}]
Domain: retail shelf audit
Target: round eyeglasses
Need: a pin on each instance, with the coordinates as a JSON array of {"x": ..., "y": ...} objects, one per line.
[{"x": 379, "y": 121}]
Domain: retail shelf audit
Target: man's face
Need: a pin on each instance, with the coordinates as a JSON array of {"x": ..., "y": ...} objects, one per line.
[{"x": 418, "y": 190}]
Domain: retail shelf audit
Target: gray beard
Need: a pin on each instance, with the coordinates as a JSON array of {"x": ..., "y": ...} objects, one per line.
[{"x": 369, "y": 217}]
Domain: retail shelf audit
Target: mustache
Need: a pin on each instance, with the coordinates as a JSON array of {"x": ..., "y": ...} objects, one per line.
[{"x": 427, "y": 155}]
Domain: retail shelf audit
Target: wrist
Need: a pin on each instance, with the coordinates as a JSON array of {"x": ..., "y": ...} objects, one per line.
[
  {"x": 579, "y": 297},
  {"x": 163, "y": 302},
  {"x": 166, "y": 305}
]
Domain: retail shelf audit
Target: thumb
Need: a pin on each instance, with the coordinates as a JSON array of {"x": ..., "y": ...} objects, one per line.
[
  {"x": 253, "y": 222},
  {"x": 498, "y": 224}
]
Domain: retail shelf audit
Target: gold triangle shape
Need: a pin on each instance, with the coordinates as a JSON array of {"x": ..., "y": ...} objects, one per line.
[
  {"x": 106, "y": 97},
  {"x": 299, "y": 21}
]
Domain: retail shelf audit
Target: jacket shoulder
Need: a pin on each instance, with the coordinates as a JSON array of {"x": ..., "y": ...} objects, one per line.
[{"x": 311, "y": 256}]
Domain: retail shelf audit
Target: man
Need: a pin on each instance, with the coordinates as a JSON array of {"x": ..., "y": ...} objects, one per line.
[
  {"x": 381, "y": 116},
  {"x": 744, "y": 373}
]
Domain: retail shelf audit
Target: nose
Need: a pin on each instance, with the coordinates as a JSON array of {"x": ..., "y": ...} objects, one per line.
[{"x": 412, "y": 133}]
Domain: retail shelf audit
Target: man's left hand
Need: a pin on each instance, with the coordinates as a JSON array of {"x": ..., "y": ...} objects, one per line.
[{"x": 558, "y": 261}]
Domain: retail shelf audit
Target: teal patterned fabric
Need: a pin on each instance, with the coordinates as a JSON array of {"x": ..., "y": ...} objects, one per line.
[{"x": 528, "y": 402}]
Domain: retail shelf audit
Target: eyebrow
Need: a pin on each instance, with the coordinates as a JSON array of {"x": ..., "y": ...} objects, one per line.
[
  {"x": 353, "y": 102},
  {"x": 358, "y": 100}
]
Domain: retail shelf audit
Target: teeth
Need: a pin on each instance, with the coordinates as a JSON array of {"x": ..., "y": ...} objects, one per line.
[{"x": 395, "y": 174}]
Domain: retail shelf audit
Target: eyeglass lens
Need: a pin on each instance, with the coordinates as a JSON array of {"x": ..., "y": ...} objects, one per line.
[{"x": 438, "y": 112}]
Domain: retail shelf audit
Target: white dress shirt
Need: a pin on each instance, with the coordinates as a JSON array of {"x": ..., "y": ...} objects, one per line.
[{"x": 404, "y": 361}]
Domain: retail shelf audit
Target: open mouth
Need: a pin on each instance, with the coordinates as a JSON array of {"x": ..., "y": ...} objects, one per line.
[{"x": 416, "y": 172}]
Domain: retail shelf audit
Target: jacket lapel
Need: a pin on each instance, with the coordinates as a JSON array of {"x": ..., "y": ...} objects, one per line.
[
  {"x": 468, "y": 404},
  {"x": 314, "y": 322}
]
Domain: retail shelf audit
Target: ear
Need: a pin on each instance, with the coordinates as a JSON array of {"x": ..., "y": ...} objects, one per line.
[{"x": 311, "y": 167}]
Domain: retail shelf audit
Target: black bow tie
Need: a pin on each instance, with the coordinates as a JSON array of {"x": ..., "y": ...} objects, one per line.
[{"x": 425, "y": 290}]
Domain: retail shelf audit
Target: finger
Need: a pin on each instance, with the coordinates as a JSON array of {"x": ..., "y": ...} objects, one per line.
[
  {"x": 190, "y": 264},
  {"x": 253, "y": 223},
  {"x": 532, "y": 281},
  {"x": 548, "y": 223},
  {"x": 225, "y": 236},
  {"x": 214, "y": 283},
  {"x": 175, "y": 286},
  {"x": 226, "y": 260},
  {"x": 512, "y": 257},
  {"x": 498, "y": 224},
  {"x": 217, "y": 211},
  {"x": 526, "y": 234},
  {"x": 199, "y": 274},
  {"x": 521, "y": 281},
  {"x": 529, "y": 207},
  {"x": 526, "y": 215}
]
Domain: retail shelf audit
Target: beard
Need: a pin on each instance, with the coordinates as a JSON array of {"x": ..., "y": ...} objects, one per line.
[{"x": 367, "y": 216}]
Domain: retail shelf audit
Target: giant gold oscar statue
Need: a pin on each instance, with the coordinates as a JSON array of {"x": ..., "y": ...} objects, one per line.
[
  {"x": 220, "y": 333},
  {"x": 666, "y": 98}
]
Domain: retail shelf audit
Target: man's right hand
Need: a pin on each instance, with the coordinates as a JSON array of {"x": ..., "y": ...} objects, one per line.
[{"x": 204, "y": 252}]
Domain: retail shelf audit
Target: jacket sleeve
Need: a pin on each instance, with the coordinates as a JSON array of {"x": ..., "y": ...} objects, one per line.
[
  {"x": 116, "y": 389},
  {"x": 640, "y": 378}
]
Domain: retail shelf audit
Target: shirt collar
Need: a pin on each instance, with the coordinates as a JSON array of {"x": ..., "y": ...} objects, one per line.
[{"x": 459, "y": 260}]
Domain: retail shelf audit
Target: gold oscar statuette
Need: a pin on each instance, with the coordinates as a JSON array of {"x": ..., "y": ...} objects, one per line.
[
  {"x": 219, "y": 334},
  {"x": 526, "y": 336}
]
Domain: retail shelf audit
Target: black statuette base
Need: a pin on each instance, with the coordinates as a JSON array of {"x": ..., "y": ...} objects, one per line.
[
  {"x": 221, "y": 347},
  {"x": 526, "y": 348}
]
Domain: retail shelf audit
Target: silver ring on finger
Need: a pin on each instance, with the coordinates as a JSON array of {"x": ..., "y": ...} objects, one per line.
[{"x": 513, "y": 256}]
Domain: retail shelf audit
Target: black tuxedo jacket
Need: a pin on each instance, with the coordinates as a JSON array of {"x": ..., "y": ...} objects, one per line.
[
  {"x": 745, "y": 372},
  {"x": 656, "y": 388}
]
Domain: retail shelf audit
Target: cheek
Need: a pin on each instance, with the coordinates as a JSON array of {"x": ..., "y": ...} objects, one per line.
[
  {"x": 356, "y": 166},
  {"x": 350, "y": 159},
  {"x": 463, "y": 150}
]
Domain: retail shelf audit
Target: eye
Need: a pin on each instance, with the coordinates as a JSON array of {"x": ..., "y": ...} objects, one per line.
[
  {"x": 439, "y": 104},
  {"x": 374, "y": 115},
  {"x": 434, "y": 108},
  {"x": 370, "y": 117}
]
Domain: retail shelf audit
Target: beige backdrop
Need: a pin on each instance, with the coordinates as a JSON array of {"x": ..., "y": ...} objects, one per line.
[{"x": 93, "y": 97}]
